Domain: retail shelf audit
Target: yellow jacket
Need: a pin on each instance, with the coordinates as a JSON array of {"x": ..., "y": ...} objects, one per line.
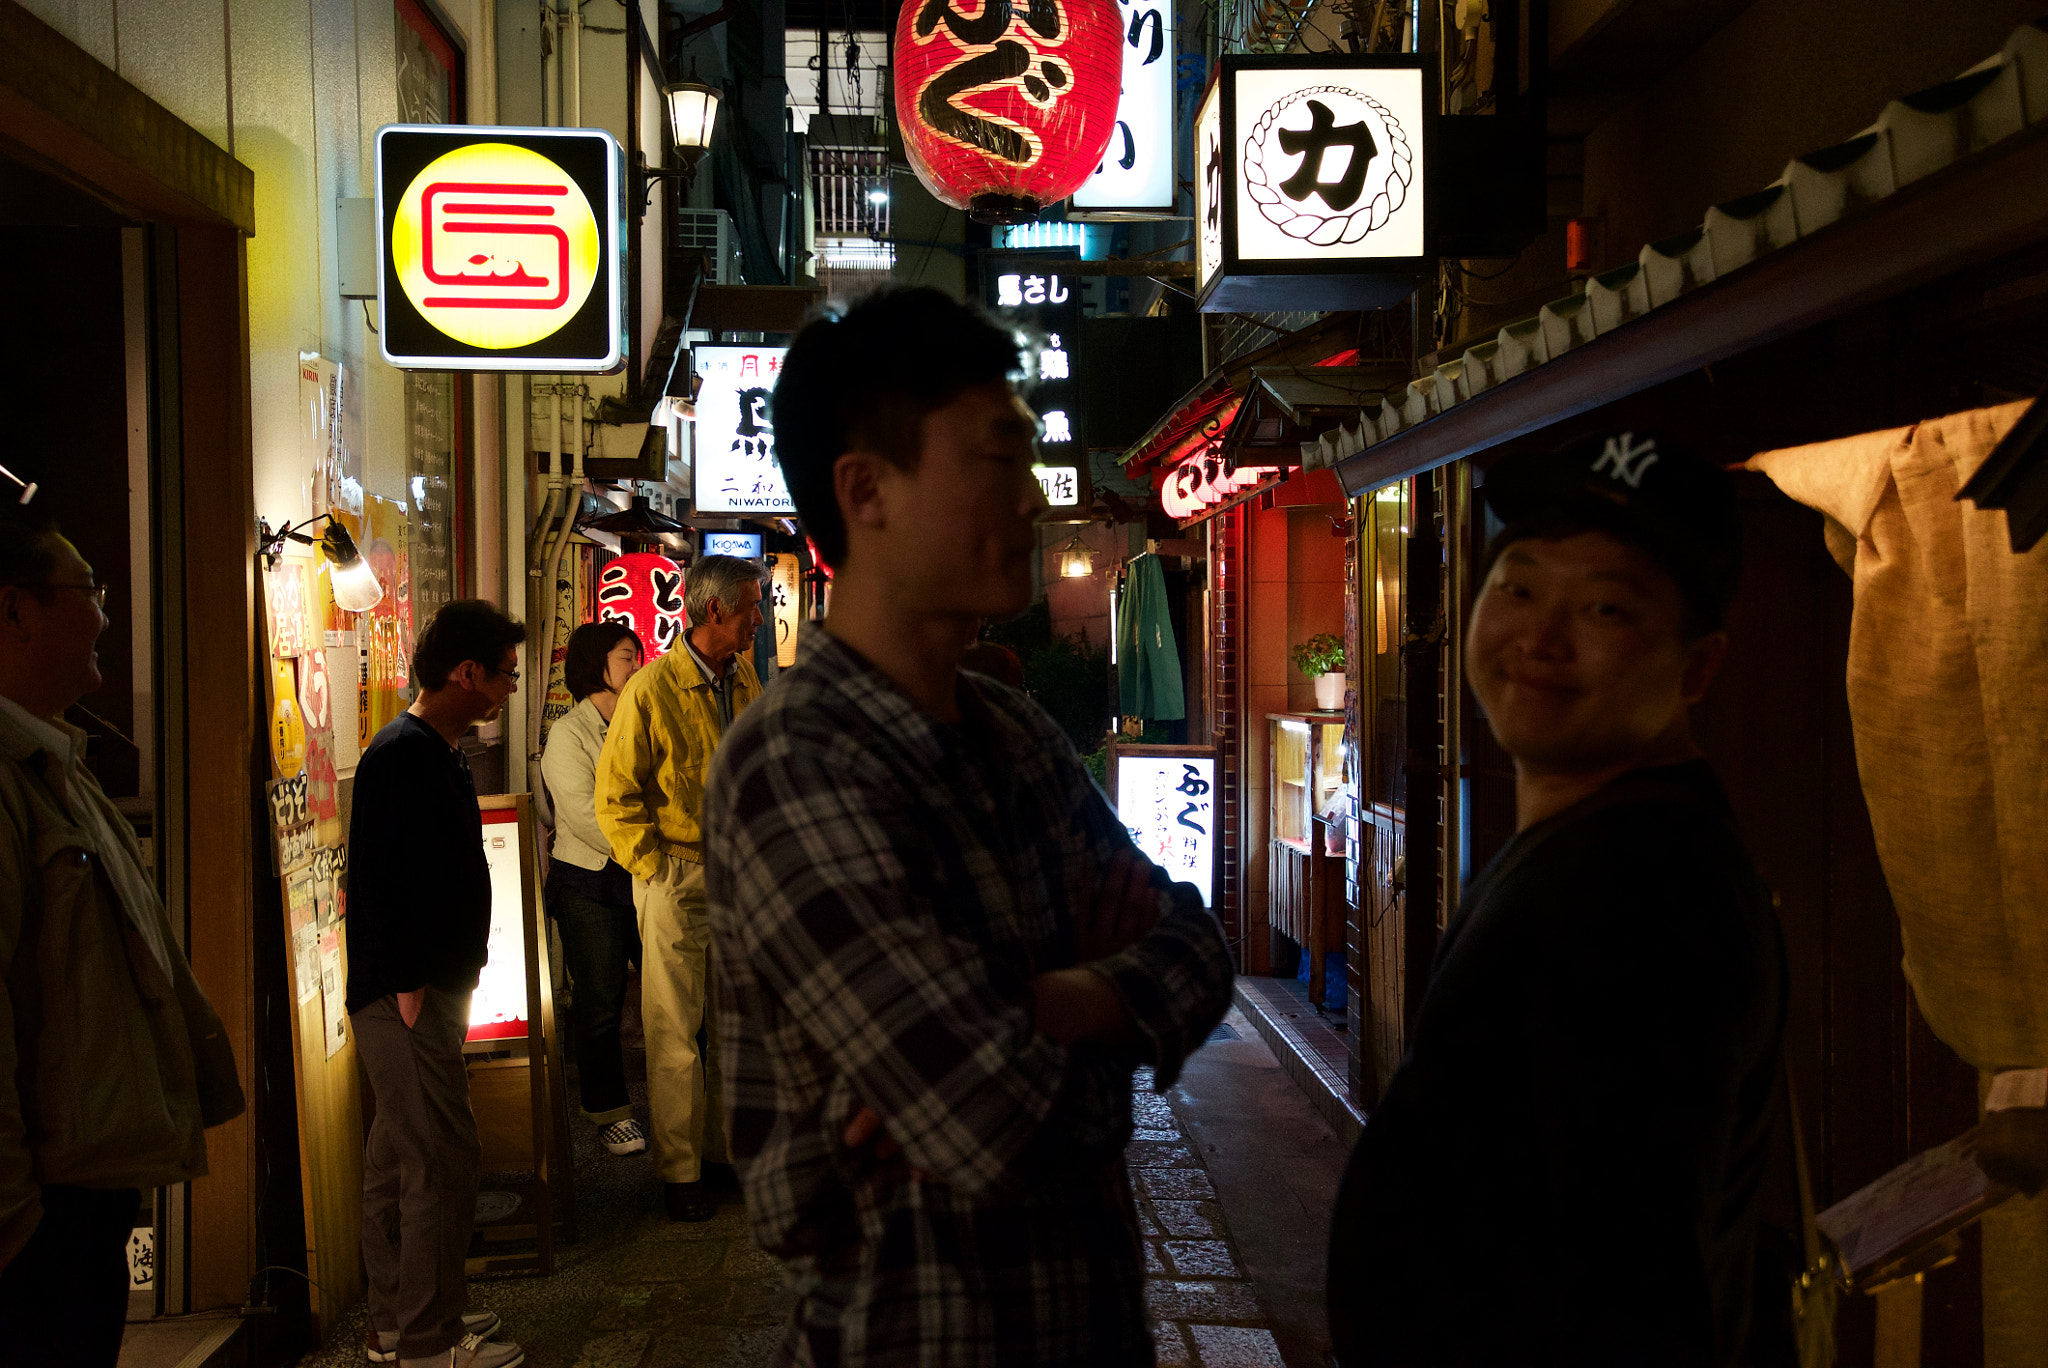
[{"x": 650, "y": 774}]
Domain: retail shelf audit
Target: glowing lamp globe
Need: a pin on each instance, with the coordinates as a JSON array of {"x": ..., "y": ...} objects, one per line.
[{"x": 1010, "y": 110}]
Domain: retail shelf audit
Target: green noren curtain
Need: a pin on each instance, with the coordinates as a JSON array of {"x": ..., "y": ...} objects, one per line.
[{"x": 1148, "y": 662}]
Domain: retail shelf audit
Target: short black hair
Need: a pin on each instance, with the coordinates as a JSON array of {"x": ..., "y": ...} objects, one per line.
[
  {"x": 28, "y": 545},
  {"x": 867, "y": 377},
  {"x": 583, "y": 672},
  {"x": 459, "y": 630}
]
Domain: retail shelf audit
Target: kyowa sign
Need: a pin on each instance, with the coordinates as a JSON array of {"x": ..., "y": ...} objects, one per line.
[
  {"x": 1315, "y": 184},
  {"x": 498, "y": 248},
  {"x": 734, "y": 470}
]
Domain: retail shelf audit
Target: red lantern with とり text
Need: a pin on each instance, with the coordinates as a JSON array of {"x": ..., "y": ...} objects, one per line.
[
  {"x": 645, "y": 592},
  {"x": 1007, "y": 106}
]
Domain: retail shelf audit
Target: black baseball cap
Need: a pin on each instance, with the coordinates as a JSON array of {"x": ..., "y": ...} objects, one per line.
[{"x": 1656, "y": 494}]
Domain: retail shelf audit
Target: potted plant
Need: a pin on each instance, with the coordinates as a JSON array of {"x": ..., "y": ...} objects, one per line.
[{"x": 1321, "y": 658}]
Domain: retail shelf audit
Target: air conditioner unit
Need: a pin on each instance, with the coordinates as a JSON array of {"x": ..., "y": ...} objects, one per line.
[{"x": 708, "y": 233}]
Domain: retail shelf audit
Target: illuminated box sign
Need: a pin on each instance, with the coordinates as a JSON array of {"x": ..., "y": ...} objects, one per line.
[
  {"x": 1062, "y": 485},
  {"x": 735, "y": 470},
  {"x": 1312, "y": 182},
  {"x": 745, "y": 545},
  {"x": 1168, "y": 804},
  {"x": 1135, "y": 179},
  {"x": 498, "y": 1008},
  {"x": 1024, "y": 286},
  {"x": 498, "y": 248}
]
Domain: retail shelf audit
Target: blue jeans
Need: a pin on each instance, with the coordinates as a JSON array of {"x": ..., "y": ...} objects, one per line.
[{"x": 600, "y": 938}]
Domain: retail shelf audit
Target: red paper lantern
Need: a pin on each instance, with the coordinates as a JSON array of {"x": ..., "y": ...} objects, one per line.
[
  {"x": 644, "y": 591},
  {"x": 1007, "y": 105}
]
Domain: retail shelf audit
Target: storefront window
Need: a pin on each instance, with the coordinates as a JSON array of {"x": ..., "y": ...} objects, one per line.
[{"x": 1383, "y": 692}]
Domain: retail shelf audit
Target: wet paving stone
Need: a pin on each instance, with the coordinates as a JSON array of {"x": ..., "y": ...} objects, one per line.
[
  {"x": 1202, "y": 1259},
  {"x": 1229, "y": 1346},
  {"x": 1155, "y": 1154},
  {"x": 1190, "y": 1220},
  {"x": 1170, "y": 1299},
  {"x": 1178, "y": 1185}
]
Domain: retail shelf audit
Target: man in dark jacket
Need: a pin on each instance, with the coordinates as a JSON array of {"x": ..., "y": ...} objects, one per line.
[
  {"x": 1565, "y": 1169},
  {"x": 419, "y": 922}
]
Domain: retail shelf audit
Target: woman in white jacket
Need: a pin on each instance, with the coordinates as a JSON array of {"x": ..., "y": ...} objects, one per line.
[{"x": 588, "y": 894}]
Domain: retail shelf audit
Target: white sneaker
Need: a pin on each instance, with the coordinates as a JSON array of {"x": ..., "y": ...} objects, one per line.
[
  {"x": 473, "y": 1351},
  {"x": 624, "y": 1137},
  {"x": 383, "y": 1346}
]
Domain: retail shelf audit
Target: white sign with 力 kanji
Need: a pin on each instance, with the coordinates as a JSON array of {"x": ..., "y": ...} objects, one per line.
[
  {"x": 1312, "y": 181},
  {"x": 1168, "y": 804}
]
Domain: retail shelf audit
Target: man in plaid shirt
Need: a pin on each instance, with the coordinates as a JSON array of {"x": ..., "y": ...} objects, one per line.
[{"x": 940, "y": 957}]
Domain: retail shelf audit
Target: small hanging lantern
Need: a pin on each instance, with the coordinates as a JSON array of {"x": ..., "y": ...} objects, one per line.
[
  {"x": 1076, "y": 560},
  {"x": 1011, "y": 110}
]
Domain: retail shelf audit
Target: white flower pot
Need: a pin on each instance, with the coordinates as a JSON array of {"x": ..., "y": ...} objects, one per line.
[{"x": 1330, "y": 690}]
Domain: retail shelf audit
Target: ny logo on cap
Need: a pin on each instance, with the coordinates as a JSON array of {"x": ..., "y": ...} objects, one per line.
[{"x": 1628, "y": 458}]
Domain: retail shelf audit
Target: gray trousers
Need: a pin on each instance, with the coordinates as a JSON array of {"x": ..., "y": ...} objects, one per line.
[{"x": 419, "y": 1171}]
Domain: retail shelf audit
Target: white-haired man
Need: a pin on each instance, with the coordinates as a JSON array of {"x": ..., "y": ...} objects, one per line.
[{"x": 650, "y": 800}]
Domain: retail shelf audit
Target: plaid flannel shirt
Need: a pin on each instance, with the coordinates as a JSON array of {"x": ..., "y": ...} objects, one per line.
[{"x": 883, "y": 887}]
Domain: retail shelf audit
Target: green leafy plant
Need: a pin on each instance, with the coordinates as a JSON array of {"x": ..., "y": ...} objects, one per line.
[{"x": 1321, "y": 654}]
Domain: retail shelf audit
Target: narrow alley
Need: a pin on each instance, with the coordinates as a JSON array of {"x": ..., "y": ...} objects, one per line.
[{"x": 1232, "y": 1169}]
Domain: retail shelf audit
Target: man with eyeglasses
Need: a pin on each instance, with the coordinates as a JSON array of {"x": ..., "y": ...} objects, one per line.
[
  {"x": 112, "y": 1063},
  {"x": 419, "y": 922}
]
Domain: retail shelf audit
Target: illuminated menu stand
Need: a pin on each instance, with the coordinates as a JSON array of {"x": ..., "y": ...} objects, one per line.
[
  {"x": 1305, "y": 886},
  {"x": 1147, "y": 829},
  {"x": 521, "y": 1111}
]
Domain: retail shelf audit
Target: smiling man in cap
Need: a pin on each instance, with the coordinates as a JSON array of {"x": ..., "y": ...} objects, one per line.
[{"x": 1565, "y": 1169}]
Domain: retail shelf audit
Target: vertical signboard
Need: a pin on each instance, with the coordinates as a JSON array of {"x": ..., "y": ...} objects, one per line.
[
  {"x": 1024, "y": 285},
  {"x": 1209, "y": 184},
  {"x": 1167, "y": 801},
  {"x": 735, "y": 470},
  {"x": 498, "y": 248},
  {"x": 498, "y": 1008},
  {"x": 1135, "y": 178}
]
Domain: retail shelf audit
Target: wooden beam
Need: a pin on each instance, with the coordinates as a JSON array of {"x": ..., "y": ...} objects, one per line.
[
  {"x": 1978, "y": 209},
  {"x": 754, "y": 308},
  {"x": 72, "y": 116}
]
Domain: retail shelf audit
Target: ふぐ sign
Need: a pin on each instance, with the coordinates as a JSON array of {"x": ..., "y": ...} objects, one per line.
[{"x": 498, "y": 248}]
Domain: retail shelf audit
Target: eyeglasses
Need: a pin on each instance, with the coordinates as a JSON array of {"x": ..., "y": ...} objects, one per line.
[
  {"x": 96, "y": 592},
  {"x": 512, "y": 675}
]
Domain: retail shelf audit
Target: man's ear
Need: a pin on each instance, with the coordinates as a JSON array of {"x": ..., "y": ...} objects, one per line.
[
  {"x": 13, "y": 625},
  {"x": 857, "y": 485},
  {"x": 1702, "y": 662}
]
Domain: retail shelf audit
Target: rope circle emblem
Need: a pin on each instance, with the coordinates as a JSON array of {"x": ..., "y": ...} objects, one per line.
[{"x": 1389, "y": 187}]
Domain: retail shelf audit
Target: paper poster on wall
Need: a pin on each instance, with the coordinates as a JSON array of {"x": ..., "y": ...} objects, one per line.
[
  {"x": 1167, "y": 803},
  {"x": 498, "y": 1008},
  {"x": 334, "y": 990},
  {"x": 287, "y": 726},
  {"x": 285, "y": 597},
  {"x": 568, "y": 617},
  {"x": 306, "y": 962}
]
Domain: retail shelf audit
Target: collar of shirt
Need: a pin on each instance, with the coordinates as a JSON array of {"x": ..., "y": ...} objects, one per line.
[
  {"x": 716, "y": 679},
  {"x": 22, "y": 734}
]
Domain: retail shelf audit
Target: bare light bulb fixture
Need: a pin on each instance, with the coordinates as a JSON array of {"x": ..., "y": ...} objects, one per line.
[{"x": 1076, "y": 560}]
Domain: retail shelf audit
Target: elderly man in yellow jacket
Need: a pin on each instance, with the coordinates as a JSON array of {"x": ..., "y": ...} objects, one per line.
[{"x": 650, "y": 798}]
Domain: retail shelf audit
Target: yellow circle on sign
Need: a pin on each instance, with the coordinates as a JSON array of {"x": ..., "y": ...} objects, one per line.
[{"x": 495, "y": 245}]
